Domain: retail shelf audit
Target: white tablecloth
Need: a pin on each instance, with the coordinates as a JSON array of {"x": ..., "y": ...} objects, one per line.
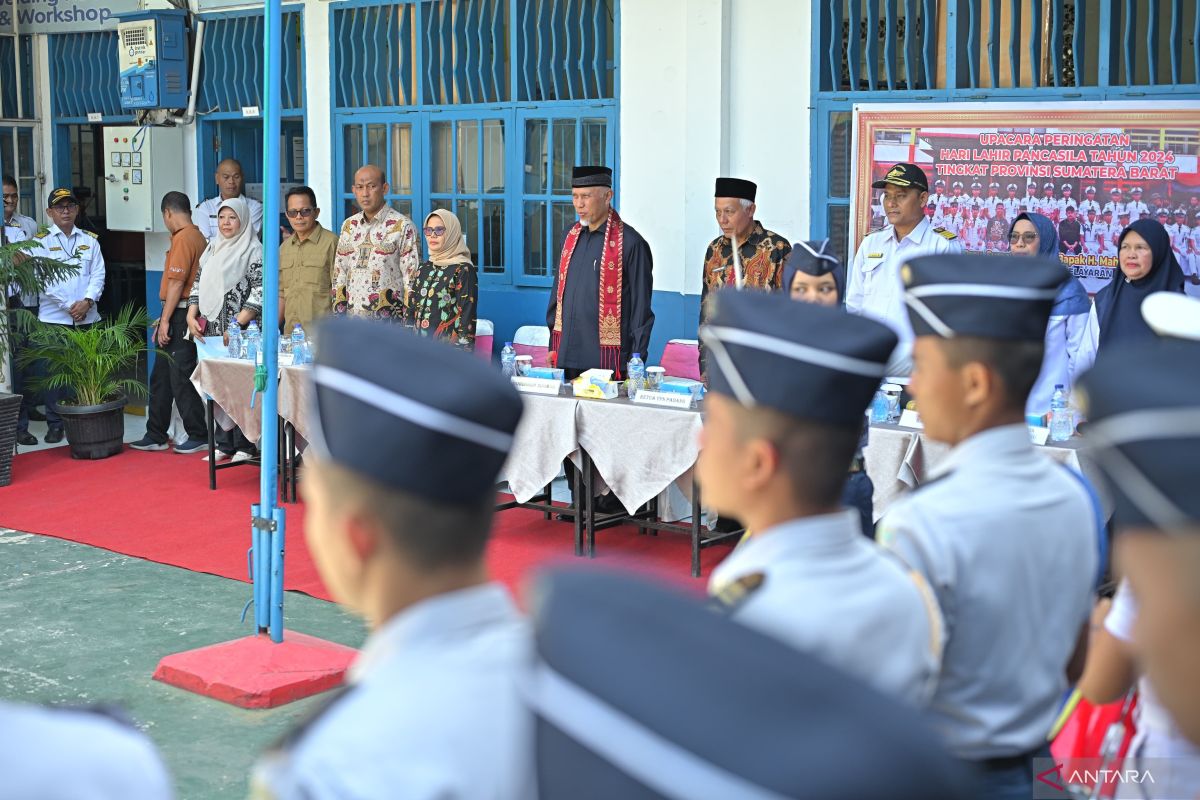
[
  {"x": 640, "y": 452},
  {"x": 546, "y": 435},
  {"x": 294, "y": 398},
  {"x": 230, "y": 383},
  {"x": 899, "y": 459}
]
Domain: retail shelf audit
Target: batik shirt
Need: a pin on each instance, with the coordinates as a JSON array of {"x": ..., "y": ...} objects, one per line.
[
  {"x": 443, "y": 302},
  {"x": 375, "y": 264},
  {"x": 763, "y": 255}
]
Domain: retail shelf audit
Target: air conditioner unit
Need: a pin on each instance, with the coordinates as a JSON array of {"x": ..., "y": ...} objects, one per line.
[{"x": 153, "y": 59}]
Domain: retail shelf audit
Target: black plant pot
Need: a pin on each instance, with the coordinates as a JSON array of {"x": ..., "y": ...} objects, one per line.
[
  {"x": 94, "y": 431},
  {"x": 10, "y": 409}
]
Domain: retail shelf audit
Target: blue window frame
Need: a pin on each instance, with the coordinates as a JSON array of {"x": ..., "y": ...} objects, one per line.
[
  {"x": 16, "y": 52},
  {"x": 231, "y": 78},
  {"x": 436, "y": 111},
  {"x": 970, "y": 50}
]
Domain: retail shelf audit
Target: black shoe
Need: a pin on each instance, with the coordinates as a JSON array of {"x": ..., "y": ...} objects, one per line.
[
  {"x": 608, "y": 504},
  {"x": 36, "y": 416},
  {"x": 26, "y": 438},
  {"x": 54, "y": 435},
  {"x": 727, "y": 525}
]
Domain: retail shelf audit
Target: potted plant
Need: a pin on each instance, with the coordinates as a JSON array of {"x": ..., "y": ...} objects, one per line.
[
  {"x": 88, "y": 362},
  {"x": 20, "y": 274}
]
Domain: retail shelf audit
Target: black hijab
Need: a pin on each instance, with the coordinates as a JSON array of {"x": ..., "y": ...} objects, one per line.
[
  {"x": 1119, "y": 304},
  {"x": 816, "y": 259}
]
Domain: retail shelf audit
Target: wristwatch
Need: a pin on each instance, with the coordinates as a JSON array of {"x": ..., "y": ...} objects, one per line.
[{"x": 91, "y": 302}]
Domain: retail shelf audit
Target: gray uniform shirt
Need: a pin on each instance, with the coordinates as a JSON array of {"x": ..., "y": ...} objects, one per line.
[
  {"x": 1008, "y": 541},
  {"x": 833, "y": 593},
  {"x": 433, "y": 711}
]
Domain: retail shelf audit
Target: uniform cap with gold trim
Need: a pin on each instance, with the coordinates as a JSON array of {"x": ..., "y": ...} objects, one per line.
[{"x": 904, "y": 175}]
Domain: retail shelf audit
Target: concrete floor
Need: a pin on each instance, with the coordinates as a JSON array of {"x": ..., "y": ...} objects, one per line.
[
  {"x": 135, "y": 428},
  {"x": 82, "y": 625}
]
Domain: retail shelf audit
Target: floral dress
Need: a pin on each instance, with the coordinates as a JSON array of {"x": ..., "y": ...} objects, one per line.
[
  {"x": 246, "y": 294},
  {"x": 443, "y": 302}
]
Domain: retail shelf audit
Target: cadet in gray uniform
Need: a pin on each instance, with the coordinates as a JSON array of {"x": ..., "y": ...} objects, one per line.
[
  {"x": 624, "y": 713},
  {"x": 790, "y": 385},
  {"x": 72, "y": 753},
  {"x": 400, "y": 491},
  {"x": 1143, "y": 409},
  {"x": 1008, "y": 539}
]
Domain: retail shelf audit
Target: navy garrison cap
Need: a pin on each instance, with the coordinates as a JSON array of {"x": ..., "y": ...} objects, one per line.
[
  {"x": 989, "y": 296},
  {"x": 804, "y": 360},
  {"x": 582, "y": 177},
  {"x": 627, "y": 711},
  {"x": 736, "y": 187},
  {"x": 411, "y": 413},
  {"x": 1142, "y": 402}
]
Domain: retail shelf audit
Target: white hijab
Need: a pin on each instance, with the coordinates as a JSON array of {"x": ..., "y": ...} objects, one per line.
[{"x": 225, "y": 261}]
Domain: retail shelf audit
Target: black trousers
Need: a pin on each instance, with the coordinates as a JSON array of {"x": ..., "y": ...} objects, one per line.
[{"x": 170, "y": 381}]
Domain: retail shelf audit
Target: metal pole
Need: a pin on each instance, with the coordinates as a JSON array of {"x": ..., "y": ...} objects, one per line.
[{"x": 272, "y": 560}]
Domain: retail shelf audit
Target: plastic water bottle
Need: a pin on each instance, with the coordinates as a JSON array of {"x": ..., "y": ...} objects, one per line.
[
  {"x": 636, "y": 374},
  {"x": 508, "y": 360},
  {"x": 1061, "y": 422},
  {"x": 299, "y": 345},
  {"x": 253, "y": 341},
  {"x": 880, "y": 408},
  {"x": 235, "y": 338}
]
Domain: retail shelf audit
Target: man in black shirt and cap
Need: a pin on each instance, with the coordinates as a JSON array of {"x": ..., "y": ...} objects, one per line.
[{"x": 599, "y": 312}]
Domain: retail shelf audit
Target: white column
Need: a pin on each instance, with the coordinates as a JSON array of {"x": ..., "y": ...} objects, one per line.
[{"x": 318, "y": 101}]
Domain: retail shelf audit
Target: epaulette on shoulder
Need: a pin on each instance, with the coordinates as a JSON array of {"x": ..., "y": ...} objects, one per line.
[
  {"x": 735, "y": 593},
  {"x": 42, "y": 233},
  {"x": 90, "y": 233},
  {"x": 945, "y": 234}
]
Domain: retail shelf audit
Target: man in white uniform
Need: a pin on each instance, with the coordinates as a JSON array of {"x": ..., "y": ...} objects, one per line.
[
  {"x": 433, "y": 708},
  {"x": 71, "y": 301},
  {"x": 230, "y": 184},
  {"x": 1089, "y": 202},
  {"x": 1066, "y": 201},
  {"x": 1116, "y": 203},
  {"x": 1031, "y": 201},
  {"x": 1016, "y": 604},
  {"x": 873, "y": 281},
  {"x": 1012, "y": 203},
  {"x": 1136, "y": 208},
  {"x": 1191, "y": 283},
  {"x": 939, "y": 197},
  {"x": 790, "y": 385}
]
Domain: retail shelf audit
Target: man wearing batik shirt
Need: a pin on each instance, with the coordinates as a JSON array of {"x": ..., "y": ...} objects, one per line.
[
  {"x": 599, "y": 312},
  {"x": 377, "y": 254},
  {"x": 761, "y": 253}
]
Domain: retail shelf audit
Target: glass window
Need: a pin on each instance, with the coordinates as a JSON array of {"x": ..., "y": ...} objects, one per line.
[
  {"x": 563, "y": 218},
  {"x": 441, "y": 156},
  {"x": 564, "y": 154},
  {"x": 402, "y": 158},
  {"x": 593, "y": 142},
  {"x": 535, "y": 156},
  {"x": 839, "y": 229},
  {"x": 468, "y": 217},
  {"x": 468, "y": 156},
  {"x": 535, "y": 238},
  {"x": 493, "y": 155},
  {"x": 403, "y": 206},
  {"x": 440, "y": 202},
  {"x": 377, "y": 145},
  {"x": 492, "y": 258},
  {"x": 353, "y": 153},
  {"x": 839, "y": 155}
]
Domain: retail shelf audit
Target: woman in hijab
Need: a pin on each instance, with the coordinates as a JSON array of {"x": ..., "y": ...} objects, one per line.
[
  {"x": 1068, "y": 349},
  {"x": 228, "y": 285},
  {"x": 1148, "y": 265},
  {"x": 812, "y": 274},
  {"x": 443, "y": 299}
]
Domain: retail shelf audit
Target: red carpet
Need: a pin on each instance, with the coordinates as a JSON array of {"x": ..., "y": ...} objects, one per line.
[{"x": 157, "y": 506}]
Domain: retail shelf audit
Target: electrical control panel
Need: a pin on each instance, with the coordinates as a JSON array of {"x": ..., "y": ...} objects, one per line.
[
  {"x": 141, "y": 164},
  {"x": 153, "y": 59}
]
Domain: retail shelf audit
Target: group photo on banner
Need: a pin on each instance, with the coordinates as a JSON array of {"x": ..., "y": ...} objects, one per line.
[{"x": 1089, "y": 169}]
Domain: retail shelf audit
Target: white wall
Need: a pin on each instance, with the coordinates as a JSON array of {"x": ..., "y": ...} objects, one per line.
[{"x": 711, "y": 88}]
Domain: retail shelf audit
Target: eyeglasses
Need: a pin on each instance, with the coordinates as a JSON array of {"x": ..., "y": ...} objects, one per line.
[
  {"x": 65, "y": 207},
  {"x": 1022, "y": 238},
  {"x": 12, "y": 196},
  {"x": 438, "y": 231},
  {"x": 294, "y": 213}
]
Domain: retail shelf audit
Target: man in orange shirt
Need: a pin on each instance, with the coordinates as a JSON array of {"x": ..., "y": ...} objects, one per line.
[{"x": 170, "y": 382}]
